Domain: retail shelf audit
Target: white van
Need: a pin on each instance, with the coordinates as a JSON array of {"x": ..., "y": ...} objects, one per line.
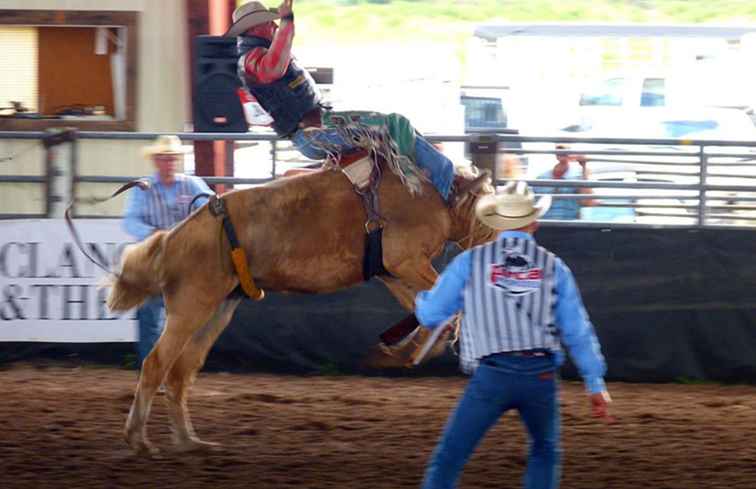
[
  {"x": 627, "y": 91},
  {"x": 626, "y": 98}
]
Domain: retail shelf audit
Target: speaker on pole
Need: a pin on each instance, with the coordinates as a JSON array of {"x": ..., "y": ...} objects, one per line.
[{"x": 216, "y": 106}]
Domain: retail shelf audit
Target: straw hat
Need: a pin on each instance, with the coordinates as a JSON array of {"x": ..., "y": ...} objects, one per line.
[
  {"x": 164, "y": 145},
  {"x": 514, "y": 207},
  {"x": 248, "y": 16}
]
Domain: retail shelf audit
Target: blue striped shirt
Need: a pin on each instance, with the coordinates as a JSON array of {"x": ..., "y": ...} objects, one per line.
[
  {"x": 436, "y": 306},
  {"x": 162, "y": 206}
]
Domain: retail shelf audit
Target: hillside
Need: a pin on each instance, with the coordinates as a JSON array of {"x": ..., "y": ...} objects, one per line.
[{"x": 358, "y": 21}]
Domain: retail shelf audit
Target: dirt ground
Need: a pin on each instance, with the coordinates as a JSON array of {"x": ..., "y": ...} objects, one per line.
[{"x": 61, "y": 427}]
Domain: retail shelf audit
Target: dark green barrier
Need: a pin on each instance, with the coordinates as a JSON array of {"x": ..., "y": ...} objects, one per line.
[{"x": 668, "y": 305}]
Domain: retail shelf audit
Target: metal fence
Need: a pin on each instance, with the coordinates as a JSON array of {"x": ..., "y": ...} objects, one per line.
[{"x": 634, "y": 182}]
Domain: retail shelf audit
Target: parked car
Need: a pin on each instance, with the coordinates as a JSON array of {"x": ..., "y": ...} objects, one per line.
[
  {"x": 486, "y": 112},
  {"x": 680, "y": 123},
  {"x": 627, "y": 91}
]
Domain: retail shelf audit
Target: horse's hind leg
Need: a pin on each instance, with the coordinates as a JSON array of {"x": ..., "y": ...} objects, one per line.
[
  {"x": 184, "y": 370},
  {"x": 185, "y": 315}
]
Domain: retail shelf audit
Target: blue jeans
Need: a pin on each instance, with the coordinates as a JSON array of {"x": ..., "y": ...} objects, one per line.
[
  {"x": 501, "y": 383},
  {"x": 438, "y": 167},
  {"x": 150, "y": 317}
]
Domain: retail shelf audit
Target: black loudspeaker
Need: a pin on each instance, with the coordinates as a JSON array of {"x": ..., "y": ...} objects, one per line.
[
  {"x": 216, "y": 106},
  {"x": 321, "y": 75}
]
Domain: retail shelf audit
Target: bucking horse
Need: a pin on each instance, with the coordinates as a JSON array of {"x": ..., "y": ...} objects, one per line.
[{"x": 303, "y": 234}]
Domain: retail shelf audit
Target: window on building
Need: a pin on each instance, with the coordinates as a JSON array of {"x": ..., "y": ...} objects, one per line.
[
  {"x": 653, "y": 94},
  {"x": 63, "y": 68},
  {"x": 483, "y": 113},
  {"x": 18, "y": 57}
]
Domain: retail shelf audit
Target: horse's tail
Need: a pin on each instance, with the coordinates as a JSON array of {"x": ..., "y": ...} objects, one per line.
[{"x": 141, "y": 274}]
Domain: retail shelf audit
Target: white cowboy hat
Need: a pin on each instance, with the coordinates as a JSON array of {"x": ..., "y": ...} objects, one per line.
[
  {"x": 164, "y": 145},
  {"x": 248, "y": 15},
  {"x": 513, "y": 208}
]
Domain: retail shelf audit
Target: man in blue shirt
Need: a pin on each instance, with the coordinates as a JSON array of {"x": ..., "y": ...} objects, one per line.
[
  {"x": 162, "y": 206},
  {"x": 519, "y": 303},
  {"x": 567, "y": 209}
]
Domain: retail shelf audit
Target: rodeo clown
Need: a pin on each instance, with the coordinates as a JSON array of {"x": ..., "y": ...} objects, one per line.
[
  {"x": 518, "y": 300},
  {"x": 289, "y": 95}
]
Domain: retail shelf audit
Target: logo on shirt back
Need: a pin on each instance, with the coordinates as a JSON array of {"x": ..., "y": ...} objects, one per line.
[{"x": 517, "y": 275}]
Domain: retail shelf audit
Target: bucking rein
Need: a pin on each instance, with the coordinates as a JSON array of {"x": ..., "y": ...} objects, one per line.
[{"x": 363, "y": 172}]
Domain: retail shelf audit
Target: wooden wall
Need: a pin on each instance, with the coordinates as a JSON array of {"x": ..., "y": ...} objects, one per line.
[{"x": 68, "y": 53}]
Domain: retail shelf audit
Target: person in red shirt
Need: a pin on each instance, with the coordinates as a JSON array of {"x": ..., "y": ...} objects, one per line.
[{"x": 290, "y": 96}]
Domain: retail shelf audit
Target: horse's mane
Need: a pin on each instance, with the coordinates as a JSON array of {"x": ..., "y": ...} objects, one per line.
[{"x": 464, "y": 208}]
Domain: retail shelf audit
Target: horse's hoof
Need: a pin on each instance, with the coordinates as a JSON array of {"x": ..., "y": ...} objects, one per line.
[
  {"x": 141, "y": 446},
  {"x": 145, "y": 449},
  {"x": 196, "y": 445},
  {"x": 382, "y": 356}
]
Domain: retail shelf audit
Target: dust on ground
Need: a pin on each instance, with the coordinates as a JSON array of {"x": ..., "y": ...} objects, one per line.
[{"x": 61, "y": 427}]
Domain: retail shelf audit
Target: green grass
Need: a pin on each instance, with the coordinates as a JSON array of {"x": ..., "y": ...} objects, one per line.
[
  {"x": 448, "y": 25},
  {"x": 358, "y": 21}
]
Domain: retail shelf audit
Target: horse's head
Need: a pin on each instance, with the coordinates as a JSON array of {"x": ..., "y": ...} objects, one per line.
[{"x": 467, "y": 231}]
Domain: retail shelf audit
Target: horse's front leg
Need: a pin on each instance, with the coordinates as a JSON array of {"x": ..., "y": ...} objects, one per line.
[
  {"x": 397, "y": 355},
  {"x": 406, "y": 352}
]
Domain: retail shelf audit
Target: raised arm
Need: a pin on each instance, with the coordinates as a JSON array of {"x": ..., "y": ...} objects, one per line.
[{"x": 269, "y": 65}]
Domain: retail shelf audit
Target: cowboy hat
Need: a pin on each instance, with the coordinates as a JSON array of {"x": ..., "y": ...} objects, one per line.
[
  {"x": 249, "y": 15},
  {"x": 513, "y": 208},
  {"x": 164, "y": 145}
]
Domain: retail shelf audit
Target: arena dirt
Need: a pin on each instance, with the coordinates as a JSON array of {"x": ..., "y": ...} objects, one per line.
[{"x": 61, "y": 427}]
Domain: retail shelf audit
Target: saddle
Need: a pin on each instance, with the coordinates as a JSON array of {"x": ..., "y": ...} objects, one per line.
[
  {"x": 365, "y": 175},
  {"x": 357, "y": 165}
]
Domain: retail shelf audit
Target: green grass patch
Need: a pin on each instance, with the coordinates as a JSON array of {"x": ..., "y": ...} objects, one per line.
[{"x": 363, "y": 21}]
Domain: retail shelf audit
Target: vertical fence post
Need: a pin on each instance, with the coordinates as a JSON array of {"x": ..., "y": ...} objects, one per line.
[
  {"x": 228, "y": 149},
  {"x": 74, "y": 173},
  {"x": 273, "y": 156},
  {"x": 59, "y": 169},
  {"x": 483, "y": 152},
  {"x": 702, "y": 180}
]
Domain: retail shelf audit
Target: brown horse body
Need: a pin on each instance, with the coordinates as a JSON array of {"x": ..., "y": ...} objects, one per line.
[{"x": 301, "y": 234}]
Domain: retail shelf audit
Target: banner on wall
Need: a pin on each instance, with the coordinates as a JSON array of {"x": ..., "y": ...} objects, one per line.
[{"x": 49, "y": 291}]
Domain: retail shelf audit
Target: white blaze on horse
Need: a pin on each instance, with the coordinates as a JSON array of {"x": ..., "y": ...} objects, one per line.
[{"x": 301, "y": 234}]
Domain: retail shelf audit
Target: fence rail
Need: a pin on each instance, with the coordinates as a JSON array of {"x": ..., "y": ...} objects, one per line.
[{"x": 684, "y": 179}]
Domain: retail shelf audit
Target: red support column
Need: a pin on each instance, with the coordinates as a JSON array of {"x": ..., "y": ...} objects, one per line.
[
  {"x": 220, "y": 16},
  {"x": 212, "y": 158}
]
